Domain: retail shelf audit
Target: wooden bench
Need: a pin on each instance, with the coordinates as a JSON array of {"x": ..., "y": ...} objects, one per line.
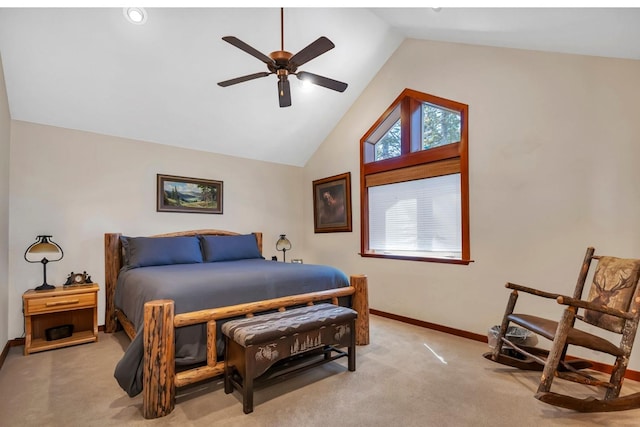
[{"x": 290, "y": 340}]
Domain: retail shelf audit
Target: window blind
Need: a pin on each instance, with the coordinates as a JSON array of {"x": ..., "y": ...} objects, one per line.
[{"x": 419, "y": 216}]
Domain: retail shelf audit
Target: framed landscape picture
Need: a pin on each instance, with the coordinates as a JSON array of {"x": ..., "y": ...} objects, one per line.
[
  {"x": 332, "y": 203},
  {"x": 181, "y": 194}
]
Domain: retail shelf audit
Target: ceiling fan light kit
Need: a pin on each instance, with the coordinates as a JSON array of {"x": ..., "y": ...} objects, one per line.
[{"x": 283, "y": 64}]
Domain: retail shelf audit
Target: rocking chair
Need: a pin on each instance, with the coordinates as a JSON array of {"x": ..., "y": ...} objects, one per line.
[{"x": 612, "y": 304}]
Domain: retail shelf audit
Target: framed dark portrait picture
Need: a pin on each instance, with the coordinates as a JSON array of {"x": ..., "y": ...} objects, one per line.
[
  {"x": 193, "y": 195},
  {"x": 332, "y": 203}
]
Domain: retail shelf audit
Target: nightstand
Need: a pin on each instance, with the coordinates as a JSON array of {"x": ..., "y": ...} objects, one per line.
[{"x": 73, "y": 305}]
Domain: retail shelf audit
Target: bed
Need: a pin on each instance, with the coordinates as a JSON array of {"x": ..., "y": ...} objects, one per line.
[{"x": 172, "y": 292}]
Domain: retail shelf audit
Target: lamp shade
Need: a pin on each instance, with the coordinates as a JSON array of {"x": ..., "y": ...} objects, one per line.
[
  {"x": 283, "y": 244},
  {"x": 43, "y": 247}
]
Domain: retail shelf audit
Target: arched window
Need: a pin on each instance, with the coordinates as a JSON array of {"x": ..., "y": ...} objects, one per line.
[{"x": 415, "y": 181}]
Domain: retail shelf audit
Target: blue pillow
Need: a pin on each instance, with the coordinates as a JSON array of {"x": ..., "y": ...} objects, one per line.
[
  {"x": 148, "y": 251},
  {"x": 229, "y": 248}
]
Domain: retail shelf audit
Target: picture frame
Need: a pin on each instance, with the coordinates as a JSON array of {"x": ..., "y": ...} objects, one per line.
[
  {"x": 190, "y": 195},
  {"x": 332, "y": 204}
]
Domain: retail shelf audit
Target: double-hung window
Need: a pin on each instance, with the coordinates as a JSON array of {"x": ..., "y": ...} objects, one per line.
[{"x": 415, "y": 181}]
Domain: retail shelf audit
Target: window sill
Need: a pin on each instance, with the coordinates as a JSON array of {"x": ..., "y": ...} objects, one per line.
[{"x": 417, "y": 258}]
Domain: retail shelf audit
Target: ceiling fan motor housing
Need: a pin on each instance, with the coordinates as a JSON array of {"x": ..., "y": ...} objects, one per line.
[{"x": 281, "y": 62}]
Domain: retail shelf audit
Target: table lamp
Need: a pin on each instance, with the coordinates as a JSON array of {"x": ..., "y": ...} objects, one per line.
[
  {"x": 49, "y": 250},
  {"x": 283, "y": 244}
]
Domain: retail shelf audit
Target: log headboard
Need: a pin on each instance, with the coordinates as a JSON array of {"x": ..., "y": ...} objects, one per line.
[{"x": 113, "y": 264}]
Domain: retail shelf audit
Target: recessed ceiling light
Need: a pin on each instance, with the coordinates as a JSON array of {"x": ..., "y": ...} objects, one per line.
[{"x": 135, "y": 15}]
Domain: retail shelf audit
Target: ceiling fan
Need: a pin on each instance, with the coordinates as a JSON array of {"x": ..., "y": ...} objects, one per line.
[{"x": 283, "y": 64}]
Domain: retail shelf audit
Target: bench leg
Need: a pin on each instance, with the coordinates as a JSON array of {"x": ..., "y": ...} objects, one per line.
[
  {"x": 228, "y": 369},
  {"x": 247, "y": 394},
  {"x": 351, "y": 352},
  {"x": 247, "y": 380},
  {"x": 228, "y": 387}
]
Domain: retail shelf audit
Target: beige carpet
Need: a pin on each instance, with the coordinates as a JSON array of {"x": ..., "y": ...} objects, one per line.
[{"x": 407, "y": 376}]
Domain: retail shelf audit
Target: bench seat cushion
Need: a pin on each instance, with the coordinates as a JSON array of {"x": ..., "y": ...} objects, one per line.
[{"x": 269, "y": 327}]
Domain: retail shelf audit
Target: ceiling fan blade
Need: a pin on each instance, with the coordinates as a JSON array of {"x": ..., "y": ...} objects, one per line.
[
  {"x": 312, "y": 51},
  {"x": 284, "y": 92},
  {"x": 322, "y": 81},
  {"x": 243, "y": 79},
  {"x": 250, "y": 50}
]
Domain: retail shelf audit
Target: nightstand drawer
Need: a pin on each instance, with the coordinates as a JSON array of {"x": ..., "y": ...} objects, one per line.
[{"x": 60, "y": 303}]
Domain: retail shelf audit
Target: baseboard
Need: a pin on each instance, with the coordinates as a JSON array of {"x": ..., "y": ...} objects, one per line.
[
  {"x": 3, "y": 356},
  {"x": 597, "y": 366},
  {"x": 428, "y": 325},
  {"x": 16, "y": 342},
  {"x": 11, "y": 343}
]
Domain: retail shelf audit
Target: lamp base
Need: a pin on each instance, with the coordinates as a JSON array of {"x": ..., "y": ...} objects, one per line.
[{"x": 45, "y": 287}]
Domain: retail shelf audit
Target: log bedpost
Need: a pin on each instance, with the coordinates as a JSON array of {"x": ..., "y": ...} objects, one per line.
[
  {"x": 112, "y": 264},
  {"x": 158, "y": 382},
  {"x": 361, "y": 305}
]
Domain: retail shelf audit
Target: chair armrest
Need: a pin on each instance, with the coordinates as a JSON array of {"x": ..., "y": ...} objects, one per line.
[
  {"x": 532, "y": 291},
  {"x": 591, "y": 306}
]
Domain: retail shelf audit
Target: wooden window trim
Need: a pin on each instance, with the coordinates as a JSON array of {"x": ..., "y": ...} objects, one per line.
[
  {"x": 424, "y": 170},
  {"x": 415, "y": 163}
]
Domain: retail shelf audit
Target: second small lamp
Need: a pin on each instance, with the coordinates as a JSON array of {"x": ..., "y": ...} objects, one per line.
[{"x": 283, "y": 244}]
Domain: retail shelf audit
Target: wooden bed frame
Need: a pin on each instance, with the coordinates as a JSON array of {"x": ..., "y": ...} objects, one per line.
[{"x": 160, "y": 379}]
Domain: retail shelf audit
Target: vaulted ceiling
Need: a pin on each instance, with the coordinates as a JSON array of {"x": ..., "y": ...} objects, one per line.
[{"x": 90, "y": 69}]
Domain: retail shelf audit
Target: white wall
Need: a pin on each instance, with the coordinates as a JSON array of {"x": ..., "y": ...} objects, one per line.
[
  {"x": 5, "y": 133},
  {"x": 554, "y": 148},
  {"x": 77, "y": 186}
]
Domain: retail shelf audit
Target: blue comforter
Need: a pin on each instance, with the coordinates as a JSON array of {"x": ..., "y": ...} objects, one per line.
[{"x": 207, "y": 285}]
